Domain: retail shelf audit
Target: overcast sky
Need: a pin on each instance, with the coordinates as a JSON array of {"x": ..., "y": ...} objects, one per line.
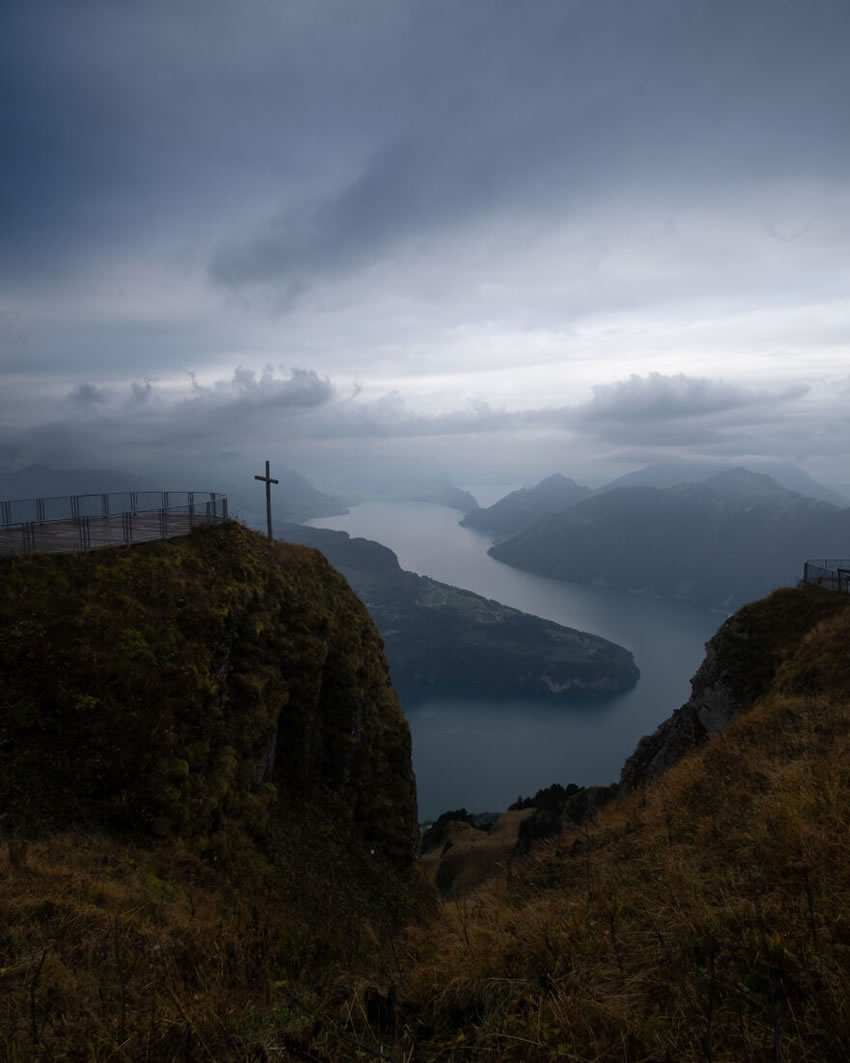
[{"x": 548, "y": 235}]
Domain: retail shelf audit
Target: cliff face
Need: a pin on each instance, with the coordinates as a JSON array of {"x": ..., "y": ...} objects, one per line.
[
  {"x": 211, "y": 689},
  {"x": 762, "y": 645}
]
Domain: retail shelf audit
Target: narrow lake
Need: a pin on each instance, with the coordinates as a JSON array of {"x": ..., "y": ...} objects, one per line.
[{"x": 481, "y": 753}]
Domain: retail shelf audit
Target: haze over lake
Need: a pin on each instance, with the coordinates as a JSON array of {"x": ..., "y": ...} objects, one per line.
[{"x": 481, "y": 752}]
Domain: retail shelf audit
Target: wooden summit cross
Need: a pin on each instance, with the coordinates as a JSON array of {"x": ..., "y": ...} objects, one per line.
[{"x": 268, "y": 482}]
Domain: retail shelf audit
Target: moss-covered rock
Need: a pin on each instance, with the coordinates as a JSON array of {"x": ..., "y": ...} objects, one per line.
[{"x": 207, "y": 688}]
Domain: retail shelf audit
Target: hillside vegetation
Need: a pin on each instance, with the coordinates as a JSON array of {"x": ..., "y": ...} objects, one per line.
[
  {"x": 703, "y": 917},
  {"x": 206, "y": 789}
]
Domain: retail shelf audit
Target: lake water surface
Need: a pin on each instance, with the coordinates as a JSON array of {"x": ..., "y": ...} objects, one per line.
[{"x": 482, "y": 752}]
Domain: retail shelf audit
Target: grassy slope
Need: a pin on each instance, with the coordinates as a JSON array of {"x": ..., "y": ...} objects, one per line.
[
  {"x": 162, "y": 887},
  {"x": 705, "y": 918}
]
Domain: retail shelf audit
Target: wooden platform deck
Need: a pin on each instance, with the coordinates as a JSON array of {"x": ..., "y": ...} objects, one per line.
[{"x": 97, "y": 531}]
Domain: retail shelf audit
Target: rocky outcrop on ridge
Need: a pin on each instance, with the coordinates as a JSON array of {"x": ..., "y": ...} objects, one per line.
[
  {"x": 741, "y": 662},
  {"x": 218, "y": 688}
]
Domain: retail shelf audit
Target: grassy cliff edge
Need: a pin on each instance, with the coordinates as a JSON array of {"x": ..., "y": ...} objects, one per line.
[
  {"x": 703, "y": 916},
  {"x": 206, "y": 792}
]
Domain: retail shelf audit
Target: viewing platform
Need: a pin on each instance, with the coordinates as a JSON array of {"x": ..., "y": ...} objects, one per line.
[
  {"x": 68, "y": 523},
  {"x": 831, "y": 573}
]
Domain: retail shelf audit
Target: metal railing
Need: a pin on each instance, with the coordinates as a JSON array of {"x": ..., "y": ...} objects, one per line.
[
  {"x": 831, "y": 573},
  {"x": 86, "y": 522}
]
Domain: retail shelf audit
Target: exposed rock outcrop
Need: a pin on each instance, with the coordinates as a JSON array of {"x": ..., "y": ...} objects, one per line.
[{"x": 741, "y": 662}]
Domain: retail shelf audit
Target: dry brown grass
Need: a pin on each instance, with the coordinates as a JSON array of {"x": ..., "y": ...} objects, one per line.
[
  {"x": 704, "y": 919},
  {"x": 113, "y": 952},
  {"x": 471, "y": 856}
]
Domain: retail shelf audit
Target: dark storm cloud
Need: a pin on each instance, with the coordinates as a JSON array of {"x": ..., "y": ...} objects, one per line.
[
  {"x": 140, "y": 392},
  {"x": 296, "y": 412},
  {"x": 353, "y": 126},
  {"x": 447, "y": 197},
  {"x": 88, "y": 395},
  {"x": 119, "y": 121},
  {"x": 680, "y": 410},
  {"x": 546, "y": 113},
  {"x": 249, "y": 392},
  {"x": 657, "y": 397},
  {"x": 248, "y": 407}
]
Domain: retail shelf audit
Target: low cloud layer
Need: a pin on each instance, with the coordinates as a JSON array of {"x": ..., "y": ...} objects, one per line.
[
  {"x": 298, "y": 418},
  {"x": 681, "y": 411}
]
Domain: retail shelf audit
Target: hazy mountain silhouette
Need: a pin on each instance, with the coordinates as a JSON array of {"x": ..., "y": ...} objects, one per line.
[
  {"x": 786, "y": 474},
  {"x": 722, "y": 542},
  {"x": 39, "y": 481},
  {"x": 523, "y": 508}
]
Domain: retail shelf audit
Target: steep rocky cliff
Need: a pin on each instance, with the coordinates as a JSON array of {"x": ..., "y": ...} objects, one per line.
[
  {"x": 742, "y": 661},
  {"x": 212, "y": 689}
]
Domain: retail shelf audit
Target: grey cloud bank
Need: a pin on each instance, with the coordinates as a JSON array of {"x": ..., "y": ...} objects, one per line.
[{"x": 563, "y": 233}]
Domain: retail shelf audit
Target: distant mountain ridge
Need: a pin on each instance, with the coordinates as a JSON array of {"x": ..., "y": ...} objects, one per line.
[
  {"x": 720, "y": 543},
  {"x": 786, "y": 474},
  {"x": 520, "y": 509},
  {"x": 39, "y": 481},
  {"x": 396, "y": 486}
]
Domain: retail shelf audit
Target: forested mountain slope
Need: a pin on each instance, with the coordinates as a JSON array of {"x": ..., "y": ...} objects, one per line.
[
  {"x": 722, "y": 542},
  {"x": 435, "y": 633}
]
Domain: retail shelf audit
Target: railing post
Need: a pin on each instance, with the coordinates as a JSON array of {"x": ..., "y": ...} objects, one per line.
[
  {"x": 224, "y": 508},
  {"x": 7, "y": 512},
  {"x": 39, "y": 509},
  {"x": 191, "y": 509},
  {"x": 104, "y": 505},
  {"x": 134, "y": 501},
  {"x": 85, "y": 534}
]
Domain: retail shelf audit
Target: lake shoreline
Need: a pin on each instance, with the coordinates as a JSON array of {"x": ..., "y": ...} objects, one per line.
[{"x": 479, "y": 751}]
